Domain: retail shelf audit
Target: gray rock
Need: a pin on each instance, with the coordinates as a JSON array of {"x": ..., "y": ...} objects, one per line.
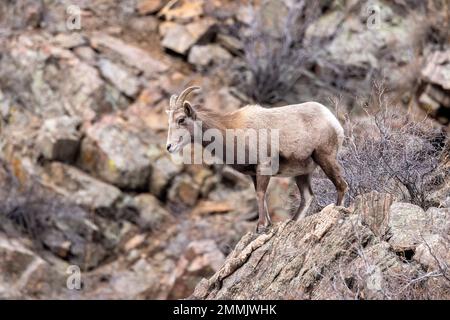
[
  {"x": 201, "y": 258},
  {"x": 86, "y": 54},
  {"x": 130, "y": 54},
  {"x": 119, "y": 77},
  {"x": 59, "y": 138},
  {"x": 163, "y": 170},
  {"x": 180, "y": 38},
  {"x": 441, "y": 197},
  {"x": 80, "y": 188},
  {"x": 325, "y": 26},
  {"x": 434, "y": 252},
  {"x": 437, "y": 69},
  {"x": 143, "y": 26},
  {"x": 245, "y": 14},
  {"x": 138, "y": 281},
  {"x": 152, "y": 214},
  {"x": 58, "y": 82},
  {"x": 21, "y": 271},
  {"x": 114, "y": 233},
  {"x": 434, "y": 94},
  {"x": 203, "y": 56},
  {"x": 69, "y": 40},
  {"x": 405, "y": 223},
  {"x": 408, "y": 224},
  {"x": 116, "y": 155},
  {"x": 356, "y": 44}
]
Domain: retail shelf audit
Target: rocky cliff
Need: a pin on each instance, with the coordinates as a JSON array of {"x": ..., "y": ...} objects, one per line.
[
  {"x": 85, "y": 178},
  {"x": 377, "y": 249}
]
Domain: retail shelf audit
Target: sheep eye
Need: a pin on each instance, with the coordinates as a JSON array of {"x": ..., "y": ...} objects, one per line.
[{"x": 181, "y": 120}]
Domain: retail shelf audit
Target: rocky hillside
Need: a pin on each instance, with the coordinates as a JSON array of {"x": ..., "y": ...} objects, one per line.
[
  {"x": 86, "y": 181},
  {"x": 377, "y": 249}
]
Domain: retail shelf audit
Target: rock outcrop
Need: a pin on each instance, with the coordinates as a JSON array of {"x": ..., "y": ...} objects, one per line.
[
  {"x": 86, "y": 179},
  {"x": 434, "y": 94},
  {"x": 335, "y": 254}
]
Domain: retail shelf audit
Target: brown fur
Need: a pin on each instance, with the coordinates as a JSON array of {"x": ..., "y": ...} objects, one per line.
[{"x": 309, "y": 136}]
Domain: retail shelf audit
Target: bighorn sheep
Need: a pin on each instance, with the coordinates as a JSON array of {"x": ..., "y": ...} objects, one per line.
[{"x": 309, "y": 135}]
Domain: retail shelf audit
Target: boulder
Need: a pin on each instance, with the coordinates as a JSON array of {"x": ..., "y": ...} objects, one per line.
[
  {"x": 22, "y": 272},
  {"x": 129, "y": 54},
  {"x": 87, "y": 54},
  {"x": 63, "y": 228},
  {"x": 152, "y": 214},
  {"x": 69, "y": 40},
  {"x": 437, "y": 69},
  {"x": 245, "y": 15},
  {"x": 143, "y": 27},
  {"x": 433, "y": 252},
  {"x": 180, "y": 38},
  {"x": 324, "y": 27},
  {"x": 205, "y": 207},
  {"x": 116, "y": 155},
  {"x": 408, "y": 224},
  {"x": 138, "y": 281},
  {"x": 148, "y": 6},
  {"x": 163, "y": 171},
  {"x": 351, "y": 43},
  {"x": 200, "y": 259},
  {"x": 59, "y": 82},
  {"x": 203, "y": 56},
  {"x": 119, "y": 77},
  {"x": 59, "y": 138},
  {"x": 434, "y": 94},
  {"x": 80, "y": 188},
  {"x": 441, "y": 197},
  {"x": 70, "y": 235}
]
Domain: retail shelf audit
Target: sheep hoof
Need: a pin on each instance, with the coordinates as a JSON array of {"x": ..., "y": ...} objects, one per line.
[{"x": 260, "y": 229}]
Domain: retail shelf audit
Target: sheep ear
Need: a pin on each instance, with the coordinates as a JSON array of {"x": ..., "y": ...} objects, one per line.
[{"x": 188, "y": 110}]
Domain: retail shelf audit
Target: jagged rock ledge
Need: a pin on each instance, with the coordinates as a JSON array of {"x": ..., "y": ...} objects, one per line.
[{"x": 395, "y": 250}]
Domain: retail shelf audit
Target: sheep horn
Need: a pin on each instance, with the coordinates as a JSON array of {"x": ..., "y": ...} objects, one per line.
[
  {"x": 184, "y": 95},
  {"x": 173, "y": 100}
]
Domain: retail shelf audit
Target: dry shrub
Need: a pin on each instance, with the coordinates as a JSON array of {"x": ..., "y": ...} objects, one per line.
[
  {"x": 273, "y": 60},
  {"x": 387, "y": 150},
  {"x": 28, "y": 210}
]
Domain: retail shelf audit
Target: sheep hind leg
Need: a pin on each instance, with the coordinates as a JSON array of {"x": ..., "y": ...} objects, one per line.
[
  {"x": 333, "y": 170},
  {"x": 306, "y": 196}
]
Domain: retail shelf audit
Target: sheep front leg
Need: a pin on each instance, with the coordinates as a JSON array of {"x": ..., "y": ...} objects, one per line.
[{"x": 264, "y": 222}]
